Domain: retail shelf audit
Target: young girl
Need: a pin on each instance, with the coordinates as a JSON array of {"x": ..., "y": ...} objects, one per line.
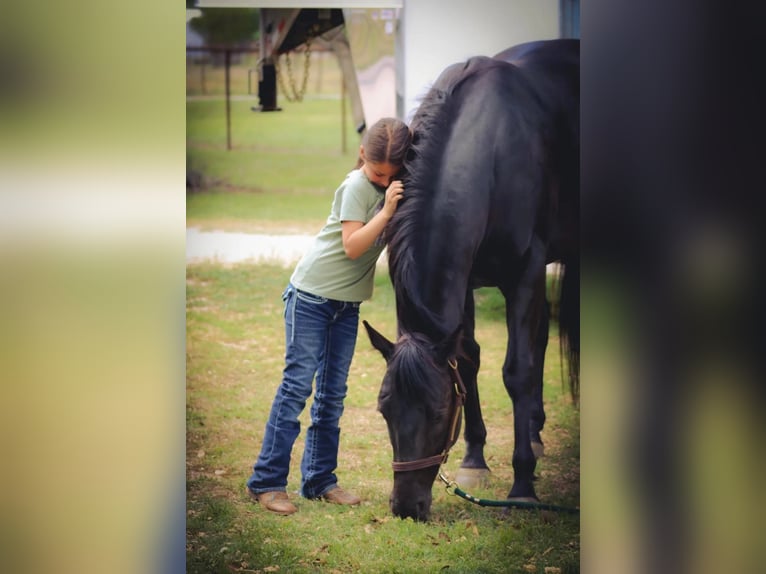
[{"x": 321, "y": 318}]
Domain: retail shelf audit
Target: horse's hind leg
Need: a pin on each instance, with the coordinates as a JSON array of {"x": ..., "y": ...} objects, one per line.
[
  {"x": 537, "y": 417},
  {"x": 473, "y": 469}
]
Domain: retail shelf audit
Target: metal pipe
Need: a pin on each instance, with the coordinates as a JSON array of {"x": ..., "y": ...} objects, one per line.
[{"x": 228, "y": 101}]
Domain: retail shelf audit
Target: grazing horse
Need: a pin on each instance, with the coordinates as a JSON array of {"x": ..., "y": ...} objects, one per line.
[{"x": 491, "y": 197}]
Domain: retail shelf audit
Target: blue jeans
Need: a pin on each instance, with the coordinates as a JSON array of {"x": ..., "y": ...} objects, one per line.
[{"x": 320, "y": 338}]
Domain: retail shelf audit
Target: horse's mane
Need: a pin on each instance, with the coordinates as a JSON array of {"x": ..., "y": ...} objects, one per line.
[
  {"x": 414, "y": 371},
  {"x": 410, "y": 229}
]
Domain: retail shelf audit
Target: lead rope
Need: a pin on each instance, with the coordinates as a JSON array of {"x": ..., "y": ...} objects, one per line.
[{"x": 454, "y": 490}]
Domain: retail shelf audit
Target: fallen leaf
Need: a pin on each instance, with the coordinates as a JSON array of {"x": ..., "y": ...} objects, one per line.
[
  {"x": 552, "y": 570},
  {"x": 321, "y": 549}
]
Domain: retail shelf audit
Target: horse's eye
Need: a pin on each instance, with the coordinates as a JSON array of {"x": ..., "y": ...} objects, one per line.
[{"x": 382, "y": 402}]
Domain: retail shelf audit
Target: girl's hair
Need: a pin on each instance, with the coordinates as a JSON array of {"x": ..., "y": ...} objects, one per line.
[{"x": 387, "y": 141}]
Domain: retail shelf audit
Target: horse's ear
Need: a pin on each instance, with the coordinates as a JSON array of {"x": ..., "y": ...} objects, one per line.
[
  {"x": 378, "y": 341},
  {"x": 449, "y": 347}
]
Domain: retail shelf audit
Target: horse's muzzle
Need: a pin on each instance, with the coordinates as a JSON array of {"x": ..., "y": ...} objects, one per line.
[{"x": 418, "y": 508}]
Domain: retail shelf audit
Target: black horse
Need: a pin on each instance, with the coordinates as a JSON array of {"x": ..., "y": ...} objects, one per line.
[{"x": 491, "y": 197}]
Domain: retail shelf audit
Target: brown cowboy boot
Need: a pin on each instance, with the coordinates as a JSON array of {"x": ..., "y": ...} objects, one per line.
[
  {"x": 274, "y": 501},
  {"x": 337, "y": 495}
]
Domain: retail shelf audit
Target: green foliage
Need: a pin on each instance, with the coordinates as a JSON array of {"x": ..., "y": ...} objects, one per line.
[{"x": 227, "y": 26}]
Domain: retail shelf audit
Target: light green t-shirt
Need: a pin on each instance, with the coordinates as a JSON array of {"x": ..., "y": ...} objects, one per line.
[{"x": 326, "y": 270}]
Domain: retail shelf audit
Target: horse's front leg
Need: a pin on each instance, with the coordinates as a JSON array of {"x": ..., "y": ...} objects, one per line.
[
  {"x": 525, "y": 314},
  {"x": 473, "y": 470}
]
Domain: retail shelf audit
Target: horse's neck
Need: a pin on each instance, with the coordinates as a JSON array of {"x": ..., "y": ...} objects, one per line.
[{"x": 441, "y": 281}]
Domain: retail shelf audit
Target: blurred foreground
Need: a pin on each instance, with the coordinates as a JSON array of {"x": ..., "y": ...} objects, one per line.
[{"x": 92, "y": 289}]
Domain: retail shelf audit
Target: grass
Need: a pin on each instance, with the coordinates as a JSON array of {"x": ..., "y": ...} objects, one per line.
[
  {"x": 304, "y": 140},
  {"x": 234, "y": 361},
  {"x": 282, "y": 171},
  {"x": 257, "y": 212},
  {"x": 280, "y": 177},
  {"x": 302, "y": 150}
]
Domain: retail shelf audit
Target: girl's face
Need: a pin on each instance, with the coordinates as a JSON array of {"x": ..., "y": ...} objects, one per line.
[{"x": 381, "y": 174}]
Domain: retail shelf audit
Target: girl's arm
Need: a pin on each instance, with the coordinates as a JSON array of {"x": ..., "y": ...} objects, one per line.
[{"x": 358, "y": 236}]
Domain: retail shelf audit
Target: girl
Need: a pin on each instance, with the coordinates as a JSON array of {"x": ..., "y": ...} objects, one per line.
[{"x": 321, "y": 318}]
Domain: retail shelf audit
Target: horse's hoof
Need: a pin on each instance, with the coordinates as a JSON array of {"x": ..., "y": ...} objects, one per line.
[
  {"x": 538, "y": 449},
  {"x": 473, "y": 477},
  {"x": 524, "y": 499}
]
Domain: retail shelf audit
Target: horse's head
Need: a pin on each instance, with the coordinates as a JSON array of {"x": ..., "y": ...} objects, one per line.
[{"x": 420, "y": 399}]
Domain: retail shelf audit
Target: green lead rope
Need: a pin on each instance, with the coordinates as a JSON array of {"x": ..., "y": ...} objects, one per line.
[
  {"x": 514, "y": 503},
  {"x": 453, "y": 488}
]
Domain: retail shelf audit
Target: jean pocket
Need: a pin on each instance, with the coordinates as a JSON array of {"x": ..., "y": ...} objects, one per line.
[
  {"x": 289, "y": 290},
  {"x": 311, "y": 298}
]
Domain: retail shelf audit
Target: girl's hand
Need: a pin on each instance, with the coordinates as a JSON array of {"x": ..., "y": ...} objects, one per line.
[{"x": 393, "y": 195}]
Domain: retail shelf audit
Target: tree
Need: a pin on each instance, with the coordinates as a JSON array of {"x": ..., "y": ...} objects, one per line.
[{"x": 227, "y": 27}]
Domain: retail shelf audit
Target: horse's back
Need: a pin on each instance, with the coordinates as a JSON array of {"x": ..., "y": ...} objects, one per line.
[
  {"x": 553, "y": 68},
  {"x": 495, "y": 149},
  {"x": 563, "y": 50}
]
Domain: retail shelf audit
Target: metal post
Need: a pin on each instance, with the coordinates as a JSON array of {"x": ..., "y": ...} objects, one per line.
[
  {"x": 318, "y": 67},
  {"x": 228, "y": 101},
  {"x": 202, "y": 75},
  {"x": 342, "y": 115}
]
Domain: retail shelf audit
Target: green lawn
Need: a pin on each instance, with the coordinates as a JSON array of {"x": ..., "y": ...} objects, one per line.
[
  {"x": 281, "y": 173},
  {"x": 235, "y": 353}
]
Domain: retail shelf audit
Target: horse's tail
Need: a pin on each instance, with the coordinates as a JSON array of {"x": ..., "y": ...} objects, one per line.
[{"x": 569, "y": 322}]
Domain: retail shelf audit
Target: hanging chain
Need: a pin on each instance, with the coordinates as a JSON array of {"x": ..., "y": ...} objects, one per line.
[{"x": 294, "y": 95}]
